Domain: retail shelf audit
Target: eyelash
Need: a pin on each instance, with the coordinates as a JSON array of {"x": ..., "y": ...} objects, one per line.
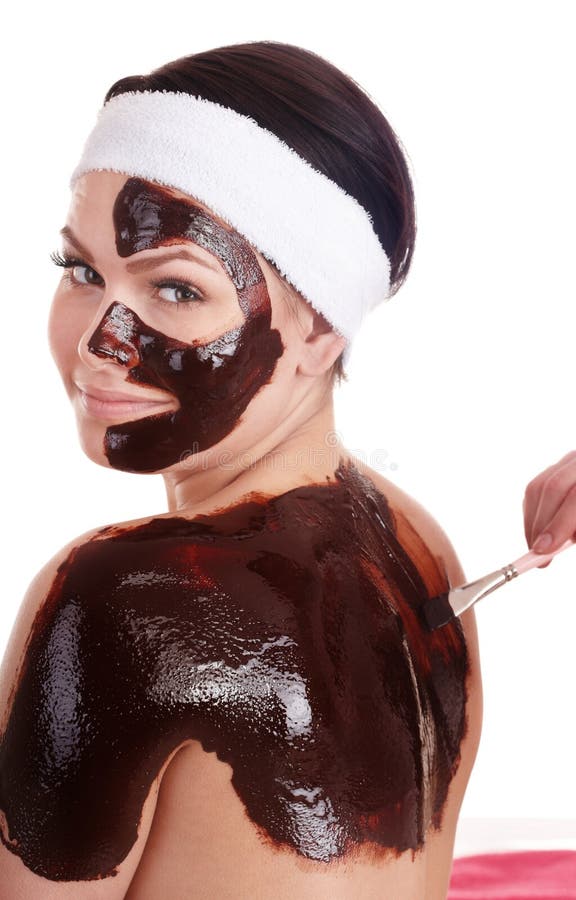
[{"x": 67, "y": 261}]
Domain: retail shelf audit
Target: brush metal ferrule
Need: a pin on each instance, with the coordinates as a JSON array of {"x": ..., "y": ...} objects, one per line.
[{"x": 464, "y": 597}]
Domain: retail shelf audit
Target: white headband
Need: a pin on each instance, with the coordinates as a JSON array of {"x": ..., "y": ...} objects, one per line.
[{"x": 320, "y": 238}]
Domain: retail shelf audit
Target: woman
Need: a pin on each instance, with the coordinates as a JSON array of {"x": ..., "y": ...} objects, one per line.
[{"x": 237, "y": 697}]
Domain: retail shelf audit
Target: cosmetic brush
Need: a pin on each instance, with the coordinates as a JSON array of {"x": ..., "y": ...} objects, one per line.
[{"x": 438, "y": 611}]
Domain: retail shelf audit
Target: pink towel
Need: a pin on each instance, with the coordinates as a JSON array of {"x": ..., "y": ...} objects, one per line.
[{"x": 525, "y": 875}]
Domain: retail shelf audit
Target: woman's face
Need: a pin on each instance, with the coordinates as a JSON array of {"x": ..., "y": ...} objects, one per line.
[{"x": 165, "y": 325}]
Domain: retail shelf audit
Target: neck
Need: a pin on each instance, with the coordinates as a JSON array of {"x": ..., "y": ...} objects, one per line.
[{"x": 304, "y": 448}]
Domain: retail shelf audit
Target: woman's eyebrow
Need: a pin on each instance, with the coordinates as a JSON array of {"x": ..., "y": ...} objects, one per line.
[
  {"x": 141, "y": 265},
  {"x": 69, "y": 234}
]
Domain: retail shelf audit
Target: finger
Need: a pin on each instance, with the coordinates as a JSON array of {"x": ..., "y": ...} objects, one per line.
[
  {"x": 562, "y": 526},
  {"x": 554, "y": 490},
  {"x": 532, "y": 500},
  {"x": 533, "y": 495},
  {"x": 568, "y": 457}
]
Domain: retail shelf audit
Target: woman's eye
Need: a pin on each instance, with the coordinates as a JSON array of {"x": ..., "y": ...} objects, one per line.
[
  {"x": 177, "y": 293},
  {"x": 85, "y": 275},
  {"x": 76, "y": 270}
]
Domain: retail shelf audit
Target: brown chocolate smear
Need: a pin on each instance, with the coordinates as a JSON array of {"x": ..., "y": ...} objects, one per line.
[
  {"x": 283, "y": 634},
  {"x": 214, "y": 381}
]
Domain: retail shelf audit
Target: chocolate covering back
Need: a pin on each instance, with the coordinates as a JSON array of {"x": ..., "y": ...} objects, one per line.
[{"x": 282, "y": 633}]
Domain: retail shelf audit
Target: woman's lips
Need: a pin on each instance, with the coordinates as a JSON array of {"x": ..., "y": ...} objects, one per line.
[{"x": 116, "y": 404}]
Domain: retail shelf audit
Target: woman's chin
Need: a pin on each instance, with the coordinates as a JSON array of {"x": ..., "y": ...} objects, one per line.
[
  {"x": 95, "y": 452},
  {"x": 91, "y": 437}
]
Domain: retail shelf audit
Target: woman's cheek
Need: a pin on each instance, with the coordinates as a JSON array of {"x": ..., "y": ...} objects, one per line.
[
  {"x": 55, "y": 329},
  {"x": 64, "y": 332}
]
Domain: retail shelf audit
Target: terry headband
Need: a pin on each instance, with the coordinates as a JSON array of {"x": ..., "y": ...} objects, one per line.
[{"x": 319, "y": 237}]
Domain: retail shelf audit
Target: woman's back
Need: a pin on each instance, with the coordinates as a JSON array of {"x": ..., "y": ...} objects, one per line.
[{"x": 263, "y": 668}]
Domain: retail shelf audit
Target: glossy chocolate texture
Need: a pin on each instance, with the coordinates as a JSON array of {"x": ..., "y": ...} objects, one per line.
[
  {"x": 214, "y": 381},
  {"x": 283, "y": 634}
]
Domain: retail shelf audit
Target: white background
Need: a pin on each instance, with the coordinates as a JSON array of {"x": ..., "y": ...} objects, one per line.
[{"x": 460, "y": 388}]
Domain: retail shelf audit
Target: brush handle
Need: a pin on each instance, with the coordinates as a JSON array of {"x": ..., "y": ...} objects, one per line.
[{"x": 531, "y": 560}]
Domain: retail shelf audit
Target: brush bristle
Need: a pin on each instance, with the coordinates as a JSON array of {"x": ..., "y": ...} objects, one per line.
[{"x": 437, "y": 611}]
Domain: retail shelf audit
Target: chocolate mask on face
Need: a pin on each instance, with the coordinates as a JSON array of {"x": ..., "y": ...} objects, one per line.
[{"x": 214, "y": 382}]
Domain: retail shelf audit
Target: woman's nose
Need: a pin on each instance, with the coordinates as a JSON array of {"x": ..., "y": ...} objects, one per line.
[{"x": 115, "y": 338}]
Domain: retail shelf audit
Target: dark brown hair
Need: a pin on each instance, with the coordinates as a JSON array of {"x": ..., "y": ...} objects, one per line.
[{"x": 319, "y": 111}]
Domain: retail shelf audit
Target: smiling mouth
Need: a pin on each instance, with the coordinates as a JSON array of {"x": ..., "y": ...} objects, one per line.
[{"x": 113, "y": 405}]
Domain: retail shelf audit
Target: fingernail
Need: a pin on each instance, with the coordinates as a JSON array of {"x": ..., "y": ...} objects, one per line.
[{"x": 542, "y": 542}]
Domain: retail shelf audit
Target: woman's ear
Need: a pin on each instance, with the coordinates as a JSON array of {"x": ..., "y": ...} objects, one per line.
[{"x": 322, "y": 346}]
